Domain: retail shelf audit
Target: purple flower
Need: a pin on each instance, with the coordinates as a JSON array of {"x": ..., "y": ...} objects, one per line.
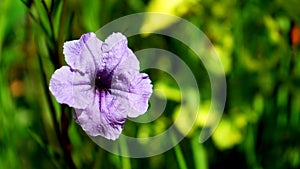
[{"x": 102, "y": 83}]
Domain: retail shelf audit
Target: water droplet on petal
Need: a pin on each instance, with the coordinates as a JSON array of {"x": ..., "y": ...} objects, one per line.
[{"x": 105, "y": 47}]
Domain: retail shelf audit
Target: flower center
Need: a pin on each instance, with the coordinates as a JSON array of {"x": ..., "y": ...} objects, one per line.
[{"x": 103, "y": 82}]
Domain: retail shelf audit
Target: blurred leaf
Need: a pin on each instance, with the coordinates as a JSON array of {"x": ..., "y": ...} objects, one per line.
[
  {"x": 3, "y": 12},
  {"x": 28, "y": 3},
  {"x": 56, "y": 16},
  {"x": 42, "y": 16},
  {"x": 91, "y": 15},
  {"x": 136, "y": 5},
  {"x": 37, "y": 138}
]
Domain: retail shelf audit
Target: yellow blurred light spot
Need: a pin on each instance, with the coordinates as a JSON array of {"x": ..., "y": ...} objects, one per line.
[
  {"x": 273, "y": 28},
  {"x": 250, "y": 63},
  {"x": 258, "y": 104},
  {"x": 160, "y": 125},
  {"x": 241, "y": 120},
  {"x": 219, "y": 10},
  {"x": 171, "y": 93},
  {"x": 164, "y": 6},
  {"x": 144, "y": 131},
  {"x": 171, "y": 7},
  {"x": 203, "y": 114},
  {"x": 225, "y": 57},
  {"x": 183, "y": 120},
  {"x": 185, "y": 115},
  {"x": 228, "y": 42},
  {"x": 226, "y": 135}
]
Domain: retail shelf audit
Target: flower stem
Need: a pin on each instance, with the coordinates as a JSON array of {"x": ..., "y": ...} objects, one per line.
[
  {"x": 62, "y": 135},
  {"x": 55, "y": 51},
  {"x": 179, "y": 155},
  {"x": 124, "y": 150},
  {"x": 65, "y": 140},
  {"x": 48, "y": 97}
]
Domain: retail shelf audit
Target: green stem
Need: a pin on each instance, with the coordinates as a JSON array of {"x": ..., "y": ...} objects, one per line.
[
  {"x": 63, "y": 134},
  {"x": 123, "y": 148},
  {"x": 65, "y": 141},
  {"x": 199, "y": 153},
  {"x": 49, "y": 19},
  {"x": 179, "y": 156},
  {"x": 61, "y": 29}
]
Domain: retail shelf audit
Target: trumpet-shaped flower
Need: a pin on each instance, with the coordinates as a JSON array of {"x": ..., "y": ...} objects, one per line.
[{"x": 102, "y": 83}]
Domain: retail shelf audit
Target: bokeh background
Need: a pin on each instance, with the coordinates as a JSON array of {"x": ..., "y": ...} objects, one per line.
[{"x": 257, "y": 41}]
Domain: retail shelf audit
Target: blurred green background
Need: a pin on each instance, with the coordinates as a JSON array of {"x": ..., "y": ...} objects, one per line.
[{"x": 257, "y": 41}]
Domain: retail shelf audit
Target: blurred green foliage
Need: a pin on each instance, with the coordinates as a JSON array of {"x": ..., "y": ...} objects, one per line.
[{"x": 260, "y": 127}]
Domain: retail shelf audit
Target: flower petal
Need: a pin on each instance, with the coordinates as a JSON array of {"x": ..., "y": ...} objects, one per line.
[
  {"x": 124, "y": 73},
  {"x": 115, "y": 49},
  {"x": 84, "y": 54},
  {"x": 134, "y": 90},
  {"x": 130, "y": 63},
  {"x": 105, "y": 117},
  {"x": 140, "y": 91},
  {"x": 133, "y": 87},
  {"x": 71, "y": 88}
]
